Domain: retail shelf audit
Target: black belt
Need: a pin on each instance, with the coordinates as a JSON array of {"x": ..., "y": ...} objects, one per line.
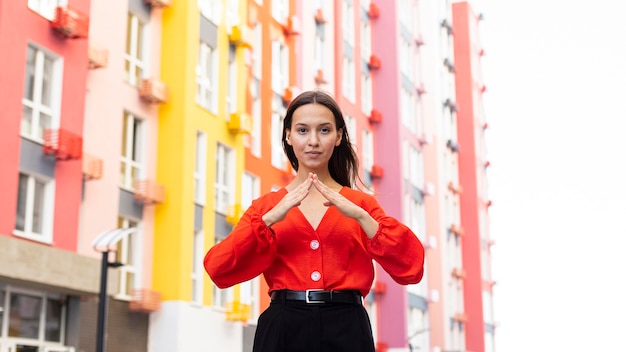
[{"x": 318, "y": 296}]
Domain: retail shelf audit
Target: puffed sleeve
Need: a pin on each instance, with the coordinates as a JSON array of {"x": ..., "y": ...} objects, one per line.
[
  {"x": 245, "y": 253},
  {"x": 395, "y": 247}
]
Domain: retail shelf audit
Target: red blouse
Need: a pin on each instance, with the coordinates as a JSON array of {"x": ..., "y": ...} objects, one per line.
[{"x": 336, "y": 256}]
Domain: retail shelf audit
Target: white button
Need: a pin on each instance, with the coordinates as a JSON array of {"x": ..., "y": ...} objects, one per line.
[
  {"x": 316, "y": 276},
  {"x": 315, "y": 244}
]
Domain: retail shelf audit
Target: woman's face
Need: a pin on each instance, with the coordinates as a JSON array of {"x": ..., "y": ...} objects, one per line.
[{"x": 313, "y": 136}]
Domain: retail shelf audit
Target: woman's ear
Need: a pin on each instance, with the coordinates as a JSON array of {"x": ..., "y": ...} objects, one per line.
[
  {"x": 287, "y": 134},
  {"x": 339, "y": 137}
]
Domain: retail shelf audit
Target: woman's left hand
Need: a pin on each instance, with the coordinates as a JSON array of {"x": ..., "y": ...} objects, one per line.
[{"x": 345, "y": 206}]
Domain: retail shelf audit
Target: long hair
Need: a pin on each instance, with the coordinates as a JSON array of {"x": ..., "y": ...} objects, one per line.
[{"x": 343, "y": 164}]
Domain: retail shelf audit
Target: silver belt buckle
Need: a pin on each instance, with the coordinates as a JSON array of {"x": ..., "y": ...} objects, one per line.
[{"x": 308, "y": 300}]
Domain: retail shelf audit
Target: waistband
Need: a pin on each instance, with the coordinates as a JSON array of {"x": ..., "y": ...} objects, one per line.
[{"x": 318, "y": 296}]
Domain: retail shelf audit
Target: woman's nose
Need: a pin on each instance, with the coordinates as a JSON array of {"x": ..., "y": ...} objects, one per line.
[{"x": 313, "y": 140}]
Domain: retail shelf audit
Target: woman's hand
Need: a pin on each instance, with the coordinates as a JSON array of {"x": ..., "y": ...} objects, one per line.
[
  {"x": 346, "y": 207},
  {"x": 292, "y": 199}
]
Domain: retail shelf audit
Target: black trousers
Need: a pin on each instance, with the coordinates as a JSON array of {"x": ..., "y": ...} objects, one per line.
[{"x": 294, "y": 326}]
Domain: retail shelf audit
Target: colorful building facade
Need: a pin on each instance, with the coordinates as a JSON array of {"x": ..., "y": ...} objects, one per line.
[{"x": 154, "y": 124}]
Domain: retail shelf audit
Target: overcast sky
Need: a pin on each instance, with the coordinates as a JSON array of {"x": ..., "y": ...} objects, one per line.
[{"x": 555, "y": 72}]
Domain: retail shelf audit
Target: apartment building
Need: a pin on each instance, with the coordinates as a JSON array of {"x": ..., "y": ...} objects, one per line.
[{"x": 136, "y": 133}]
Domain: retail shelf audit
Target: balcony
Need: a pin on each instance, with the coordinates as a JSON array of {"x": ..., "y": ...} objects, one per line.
[
  {"x": 319, "y": 17},
  {"x": 241, "y": 36},
  {"x": 460, "y": 318},
  {"x": 458, "y": 273},
  {"x": 149, "y": 192},
  {"x": 234, "y": 214},
  {"x": 290, "y": 93},
  {"x": 70, "y": 23},
  {"x": 377, "y": 171},
  {"x": 92, "y": 167},
  {"x": 62, "y": 144},
  {"x": 374, "y": 63},
  {"x": 319, "y": 77},
  {"x": 373, "y": 11},
  {"x": 455, "y": 189},
  {"x": 240, "y": 123},
  {"x": 145, "y": 300},
  {"x": 153, "y": 91},
  {"x": 453, "y": 146},
  {"x": 237, "y": 311},
  {"x": 457, "y": 230},
  {"x": 292, "y": 26},
  {"x": 98, "y": 58},
  {"x": 450, "y": 105},
  {"x": 375, "y": 116}
]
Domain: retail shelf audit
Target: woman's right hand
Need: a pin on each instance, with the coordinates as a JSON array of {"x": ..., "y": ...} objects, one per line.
[{"x": 292, "y": 199}]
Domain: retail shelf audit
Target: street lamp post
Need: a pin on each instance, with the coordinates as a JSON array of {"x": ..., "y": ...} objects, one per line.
[{"x": 104, "y": 243}]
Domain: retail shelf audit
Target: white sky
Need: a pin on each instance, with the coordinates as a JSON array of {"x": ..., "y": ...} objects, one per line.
[{"x": 555, "y": 72}]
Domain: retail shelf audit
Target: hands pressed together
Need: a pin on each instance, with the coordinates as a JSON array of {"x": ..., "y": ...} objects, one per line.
[{"x": 333, "y": 198}]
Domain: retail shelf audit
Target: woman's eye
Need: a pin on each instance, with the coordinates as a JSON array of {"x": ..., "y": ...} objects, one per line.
[{"x": 302, "y": 130}]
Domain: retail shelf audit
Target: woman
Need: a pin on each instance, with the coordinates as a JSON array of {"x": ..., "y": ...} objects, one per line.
[{"x": 314, "y": 241}]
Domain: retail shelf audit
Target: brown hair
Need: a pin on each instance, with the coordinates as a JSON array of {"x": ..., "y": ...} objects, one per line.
[{"x": 343, "y": 164}]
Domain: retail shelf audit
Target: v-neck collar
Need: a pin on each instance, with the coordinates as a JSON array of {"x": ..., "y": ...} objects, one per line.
[{"x": 328, "y": 208}]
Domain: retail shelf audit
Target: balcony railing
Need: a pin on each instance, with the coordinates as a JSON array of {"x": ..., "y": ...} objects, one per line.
[
  {"x": 145, "y": 300},
  {"x": 70, "y": 23},
  {"x": 62, "y": 144},
  {"x": 149, "y": 192}
]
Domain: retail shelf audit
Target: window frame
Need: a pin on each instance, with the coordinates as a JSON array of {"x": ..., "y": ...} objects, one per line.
[
  {"x": 136, "y": 61},
  {"x": 47, "y": 208},
  {"x": 207, "y": 77},
  {"x": 197, "y": 268},
  {"x": 36, "y": 105},
  {"x": 200, "y": 168},
  {"x": 133, "y": 141},
  {"x": 129, "y": 253},
  {"x": 224, "y": 176}
]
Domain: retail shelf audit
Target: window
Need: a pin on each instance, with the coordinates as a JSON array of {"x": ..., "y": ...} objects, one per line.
[
  {"x": 34, "y": 319},
  {"x": 41, "y": 93},
  {"x": 319, "y": 51},
  {"x": 206, "y": 78},
  {"x": 132, "y": 151},
  {"x": 231, "y": 97},
  {"x": 199, "y": 173},
  {"x": 232, "y": 13},
  {"x": 257, "y": 118},
  {"x": 351, "y": 129},
  {"x": 224, "y": 178},
  {"x": 280, "y": 10},
  {"x": 250, "y": 189},
  {"x": 347, "y": 21},
  {"x": 212, "y": 10},
  {"x": 416, "y": 160},
  {"x": 257, "y": 58},
  {"x": 368, "y": 150},
  {"x": 278, "y": 154},
  {"x": 366, "y": 40},
  {"x": 134, "y": 57},
  {"x": 46, "y": 8},
  {"x": 408, "y": 110},
  {"x": 128, "y": 253},
  {"x": 280, "y": 67},
  {"x": 197, "y": 267},
  {"x": 366, "y": 94},
  {"x": 348, "y": 80},
  {"x": 35, "y": 208}
]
